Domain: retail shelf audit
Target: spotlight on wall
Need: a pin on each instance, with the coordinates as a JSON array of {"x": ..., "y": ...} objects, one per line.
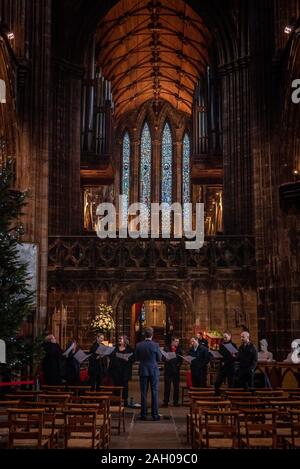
[
  {"x": 10, "y": 35},
  {"x": 288, "y": 29},
  {"x": 296, "y": 174}
]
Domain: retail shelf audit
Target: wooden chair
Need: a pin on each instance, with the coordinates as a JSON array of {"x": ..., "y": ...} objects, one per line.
[
  {"x": 48, "y": 387},
  {"x": 116, "y": 405},
  {"x": 197, "y": 418},
  {"x": 236, "y": 395},
  {"x": 27, "y": 397},
  {"x": 269, "y": 393},
  {"x": 105, "y": 417},
  {"x": 101, "y": 405},
  {"x": 294, "y": 440},
  {"x": 49, "y": 425},
  {"x": 78, "y": 390},
  {"x": 81, "y": 430},
  {"x": 4, "y": 423},
  {"x": 195, "y": 396},
  {"x": 221, "y": 430},
  {"x": 26, "y": 429},
  {"x": 283, "y": 421},
  {"x": 294, "y": 395},
  {"x": 184, "y": 395},
  {"x": 260, "y": 429},
  {"x": 55, "y": 398},
  {"x": 98, "y": 393}
]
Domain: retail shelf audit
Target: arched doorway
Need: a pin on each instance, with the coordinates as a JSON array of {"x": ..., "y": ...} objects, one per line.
[
  {"x": 158, "y": 314},
  {"x": 171, "y": 304}
]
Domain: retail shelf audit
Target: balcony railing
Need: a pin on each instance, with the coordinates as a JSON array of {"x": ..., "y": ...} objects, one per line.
[{"x": 84, "y": 253}]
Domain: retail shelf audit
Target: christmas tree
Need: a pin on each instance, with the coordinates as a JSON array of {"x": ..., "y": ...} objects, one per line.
[{"x": 15, "y": 297}]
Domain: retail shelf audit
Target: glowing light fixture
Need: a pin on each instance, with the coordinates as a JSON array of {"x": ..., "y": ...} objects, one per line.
[
  {"x": 10, "y": 35},
  {"x": 288, "y": 29}
]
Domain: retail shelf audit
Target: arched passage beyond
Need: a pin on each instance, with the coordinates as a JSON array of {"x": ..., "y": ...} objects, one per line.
[{"x": 178, "y": 300}]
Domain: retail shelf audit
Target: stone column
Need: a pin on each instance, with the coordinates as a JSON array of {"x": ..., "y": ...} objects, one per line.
[{"x": 237, "y": 158}]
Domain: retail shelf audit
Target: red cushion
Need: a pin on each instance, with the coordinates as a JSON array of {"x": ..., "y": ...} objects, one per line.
[
  {"x": 84, "y": 376},
  {"x": 189, "y": 379}
]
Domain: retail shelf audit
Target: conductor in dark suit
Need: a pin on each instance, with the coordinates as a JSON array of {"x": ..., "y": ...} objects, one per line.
[{"x": 148, "y": 354}]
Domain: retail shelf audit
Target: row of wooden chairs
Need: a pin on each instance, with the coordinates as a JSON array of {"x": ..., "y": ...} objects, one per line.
[
  {"x": 60, "y": 394},
  {"x": 222, "y": 430},
  {"x": 198, "y": 407},
  {"x": 48, "y": 421}
]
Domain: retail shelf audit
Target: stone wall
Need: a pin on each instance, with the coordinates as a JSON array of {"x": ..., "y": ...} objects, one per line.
[{"x": 193, "y": 306}]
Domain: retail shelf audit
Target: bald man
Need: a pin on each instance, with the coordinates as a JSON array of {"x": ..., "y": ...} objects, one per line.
[{"x": 247, "y": 358}]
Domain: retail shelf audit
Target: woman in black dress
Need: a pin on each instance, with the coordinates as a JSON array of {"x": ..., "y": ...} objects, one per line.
[
  {"x": 52, "y": 362},
  {"x": 97, "y": 365},
  {"x": 120, "y": 369},
  {"x": 72, "y": 365}
]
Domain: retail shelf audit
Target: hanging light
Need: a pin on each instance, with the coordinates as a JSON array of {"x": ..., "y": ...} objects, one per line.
[{"x": 10, "y": 35}]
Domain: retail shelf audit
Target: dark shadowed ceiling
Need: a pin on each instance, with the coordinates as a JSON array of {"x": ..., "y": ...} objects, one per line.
[{"x": 152, "y": 50}]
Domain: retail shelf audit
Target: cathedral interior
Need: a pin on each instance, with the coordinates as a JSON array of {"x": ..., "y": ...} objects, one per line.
[{"x": 161, "y": 101}]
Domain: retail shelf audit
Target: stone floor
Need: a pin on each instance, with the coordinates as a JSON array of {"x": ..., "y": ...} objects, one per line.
[{"x": 167, "y": 433}]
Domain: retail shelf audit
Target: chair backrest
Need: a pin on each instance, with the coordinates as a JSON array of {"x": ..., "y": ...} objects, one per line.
[
  {"x": 25, "y": 424},
  {"x": 294, "y": 395},
  {"x": 98, "y": 393},
  {"x": 201, "y": 406},
  {"x": 259, "y": 423},
  {"x": 103, "y": 403},
  {"x": 49, "y": 387},
  {"x": 195, "y": 388},
  {"x": 20, "y": 396},
  {"x": 80, "y": 424},
  {"x": 116, "y": 391},
  {"x": 269, "y": 393},
  {"x": 295, "y": 424},
  {"x": 259, "y": 404},
  {"x": 78, "y": 390},
  {"x": 54, "y": 392},
  {"x": 221, "y": 424},
  {"x": 230, "y": 394},
  {"x": 58, "y": 398},
  {"x": 9, "y": 403}
]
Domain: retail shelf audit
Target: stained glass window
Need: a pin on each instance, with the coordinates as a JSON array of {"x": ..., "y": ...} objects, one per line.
[
  {"x": 126, "y": 165},
  {"x": 145, "y": 167},
  {"x": 186, "y": 188},
  {"x": 166, "y": 173},
  {"x": 166, "y": 165}
]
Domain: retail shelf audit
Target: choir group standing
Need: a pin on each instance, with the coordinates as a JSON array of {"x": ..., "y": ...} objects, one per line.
[{"x": 237, "y": 365}]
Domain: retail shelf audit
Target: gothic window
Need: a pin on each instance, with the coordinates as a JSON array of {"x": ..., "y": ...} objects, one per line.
[
  {"x": 145, "y": 166},
  {"x": 166, "y": 165},
  {"x": 186, "y": 185},
  {"x": 126, "y": 166}
]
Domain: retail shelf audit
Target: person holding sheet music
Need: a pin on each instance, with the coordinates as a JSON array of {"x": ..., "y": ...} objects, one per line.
[
  {"x": 120, "y": 365},
  {"x": 172, "y": 371},
  {"x": 72, "y": 364},
  {"x": 227, "y": 365},
  {"x": 199, "y": 365},
  {"x": 52, "y": 362},
  {"x": 98, "y": 364},
  {"x": 247, "y": 358}
]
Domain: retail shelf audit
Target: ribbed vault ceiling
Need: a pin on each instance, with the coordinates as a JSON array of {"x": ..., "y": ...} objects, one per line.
[{"x": 152, "y": 50}]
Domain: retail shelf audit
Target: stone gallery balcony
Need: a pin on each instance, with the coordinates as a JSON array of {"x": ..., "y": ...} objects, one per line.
[{"x": 159, "y": 258}]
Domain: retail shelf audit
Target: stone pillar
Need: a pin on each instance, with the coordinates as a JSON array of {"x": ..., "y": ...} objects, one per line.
[
  {"x": 237, "y": 158},
  {"x": 65, "y": 205}
]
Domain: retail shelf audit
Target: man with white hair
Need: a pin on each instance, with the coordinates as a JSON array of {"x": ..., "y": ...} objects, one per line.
[{"x": 247, "y": 358}]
